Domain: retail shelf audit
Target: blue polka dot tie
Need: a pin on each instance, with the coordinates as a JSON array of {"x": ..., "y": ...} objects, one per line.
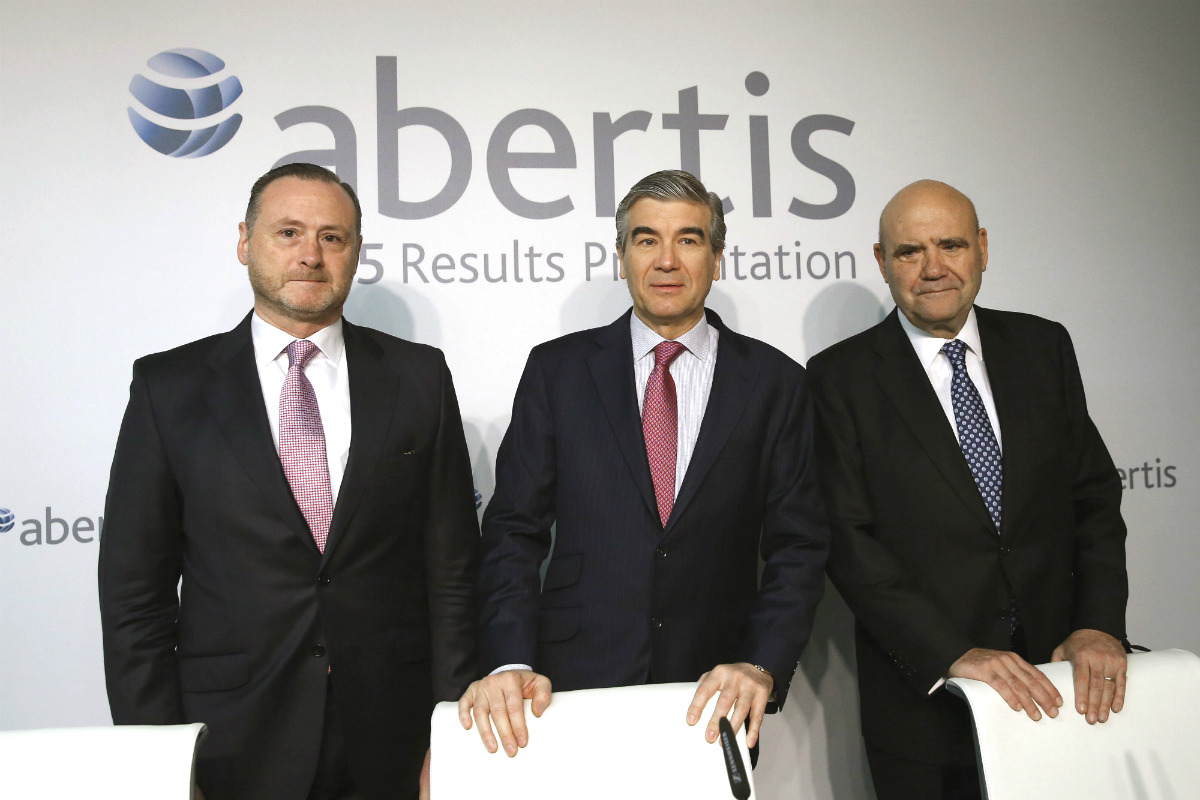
[{"x": 975, "y": 434}]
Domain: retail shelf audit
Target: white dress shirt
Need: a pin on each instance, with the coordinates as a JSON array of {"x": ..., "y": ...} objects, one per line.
[
  {"x": 938, "y": 369},
  {"x": 330, "y": 379}
]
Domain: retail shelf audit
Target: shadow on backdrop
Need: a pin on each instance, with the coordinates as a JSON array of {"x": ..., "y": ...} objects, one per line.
[
  {"x": 721, "y": 303},
  {"x": 838, "y": 312},
  {"x": 378, "y": 306},
  {"x": 592, "y": 305},
  {"x": 825, "y": 690}
]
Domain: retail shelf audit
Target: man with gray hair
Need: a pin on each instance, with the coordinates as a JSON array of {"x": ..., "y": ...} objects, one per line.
[{"x": 668, "y": 453}]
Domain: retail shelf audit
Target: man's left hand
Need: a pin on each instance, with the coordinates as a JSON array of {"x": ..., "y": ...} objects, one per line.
[
  {"x": 744, "y": 688},
  {"x": 1099, "y": 669}
]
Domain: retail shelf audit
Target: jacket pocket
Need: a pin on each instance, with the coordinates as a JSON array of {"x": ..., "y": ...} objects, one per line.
[
  {"x": 213, "y": 673},
  {"x": 558, "y": 624},
  {"x": 564, "y": 571},
  {"x": 398, "y": 464}
]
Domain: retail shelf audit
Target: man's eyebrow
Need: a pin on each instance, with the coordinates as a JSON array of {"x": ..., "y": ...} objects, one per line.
[
  {"x": 956, "y": 240},
  {"x": 642, "y": 229},
  {"x": 697, "y": 232},
  {"x": 289, "y": 222},
  {"x": 906, "y": 247}
]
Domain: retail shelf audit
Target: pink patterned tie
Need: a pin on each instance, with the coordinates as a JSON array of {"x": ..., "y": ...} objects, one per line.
[
  {"x": 660, "y": 423},
  {"x": 302, "y": 443}
]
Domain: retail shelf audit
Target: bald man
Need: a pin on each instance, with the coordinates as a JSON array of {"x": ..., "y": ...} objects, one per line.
[{"x": 975, "y": 511}]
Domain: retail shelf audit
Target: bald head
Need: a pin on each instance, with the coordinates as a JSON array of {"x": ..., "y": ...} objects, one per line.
[
  {"x": 918, "y": 191},
  {"x": 932, "y": 253}
]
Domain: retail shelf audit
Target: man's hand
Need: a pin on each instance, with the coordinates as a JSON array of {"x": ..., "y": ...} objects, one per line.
[
  {"x": 1098, "y": 662},
  {"x": 743, "y": 687},
  {"x": 424, "y": 790},
  {"x": 502, "y": 698},
  {"x": 1022, "y": 685}
]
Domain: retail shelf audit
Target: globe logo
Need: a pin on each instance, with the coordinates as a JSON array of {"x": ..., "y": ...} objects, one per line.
[
  {"x": 180, "y": 106},
  {"x": 6, "y": 520}
]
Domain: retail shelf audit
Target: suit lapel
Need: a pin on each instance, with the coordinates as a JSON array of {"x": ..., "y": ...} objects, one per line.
[
  {"x": 903, "y": 381},
  {"x": 373, "y": 393},
  {"x": 234, "y": 395},
  {"x": 1006, "y": 375},
  {"x": 733, "y": 384},
  {"x": 611, "y": 366}
]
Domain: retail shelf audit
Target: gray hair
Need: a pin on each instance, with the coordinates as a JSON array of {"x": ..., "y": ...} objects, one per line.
[{"x": 669, "y": 185}]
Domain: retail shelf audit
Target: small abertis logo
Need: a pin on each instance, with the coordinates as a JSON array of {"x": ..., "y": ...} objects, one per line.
[{"x": 181, "y": 108}]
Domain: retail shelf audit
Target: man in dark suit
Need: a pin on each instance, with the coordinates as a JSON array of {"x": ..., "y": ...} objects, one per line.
[
  {"x": 660, "y": 512},
  {"x": 309, "y": 481},
  {"x": 974, "y": 560}
]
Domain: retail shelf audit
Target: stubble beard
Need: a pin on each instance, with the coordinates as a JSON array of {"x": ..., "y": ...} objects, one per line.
[{"x": 276, "y": 298}]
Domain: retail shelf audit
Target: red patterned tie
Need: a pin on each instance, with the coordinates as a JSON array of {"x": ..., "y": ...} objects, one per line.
[
  {"x": 660, "y": 423},
  {"x": 302, "y": 443}
]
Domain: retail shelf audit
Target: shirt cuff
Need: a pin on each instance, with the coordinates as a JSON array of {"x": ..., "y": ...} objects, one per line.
[{"x": 508, "y": 667}]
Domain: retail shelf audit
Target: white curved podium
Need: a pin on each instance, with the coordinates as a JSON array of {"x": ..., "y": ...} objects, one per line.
[
  {"x": 596, "y": 743},
  {"x": 123, "y": 762},
  {"x": 1151, "y": 749}
]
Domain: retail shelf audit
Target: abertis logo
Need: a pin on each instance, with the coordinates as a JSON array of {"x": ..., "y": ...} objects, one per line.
[
  {"x": 7, "y": 520},
  {"x": 181, "y": 110}
]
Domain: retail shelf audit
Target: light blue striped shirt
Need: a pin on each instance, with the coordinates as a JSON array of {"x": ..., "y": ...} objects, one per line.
[{"x": 692, "y": 370}]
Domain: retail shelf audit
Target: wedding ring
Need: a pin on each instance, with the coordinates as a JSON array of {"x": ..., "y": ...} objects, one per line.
[{"x": 1108, "y": 678}]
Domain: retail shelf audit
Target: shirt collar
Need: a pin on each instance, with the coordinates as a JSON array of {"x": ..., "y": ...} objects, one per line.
[
  {"x": 929, "y": 346},
  {"x": 696, "y": 340},
  {"x": 270, "y": 341}
]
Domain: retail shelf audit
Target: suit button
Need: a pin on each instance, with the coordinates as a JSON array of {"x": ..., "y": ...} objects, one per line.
[
  {"x": 318, "y": 650},
  {"x": 660, "y": 553},
  {"x": 655, "y": 622},
  {"x": 323, "y": 580},
  {"x": 1005, "y": 550}
]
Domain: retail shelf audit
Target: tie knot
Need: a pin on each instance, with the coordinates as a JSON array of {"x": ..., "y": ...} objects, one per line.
[
  {"x": 666, "y": 352},
  {"x": 956, "y": 351},
  {"x": 299, "y": 352}
]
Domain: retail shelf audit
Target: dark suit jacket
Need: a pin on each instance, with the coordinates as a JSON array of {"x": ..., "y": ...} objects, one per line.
[
  {"x": 626, "y": 601},
  {"x": 197, "y": 491},
  {"x": 914, "y": 552}
]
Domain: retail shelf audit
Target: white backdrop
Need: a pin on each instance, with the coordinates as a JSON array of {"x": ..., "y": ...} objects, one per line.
[{"x": 1073, "y": 125}]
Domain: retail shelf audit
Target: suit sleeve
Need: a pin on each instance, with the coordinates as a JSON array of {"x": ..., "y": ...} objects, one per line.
[
  {"x": 139, "y": 569},
  {"x": 1101, "y": 582},
  {"x": 516, "y": 528},
  {"x": 915, "y": 634},
  {"x": 794, "y": 546},
  {"x": 451, "y": 552}
]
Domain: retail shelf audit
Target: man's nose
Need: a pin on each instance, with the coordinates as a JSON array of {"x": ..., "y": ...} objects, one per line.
[
  {"x": 310, "y": 252},
  {"x": 667, "y": 257},
  {"x": 934, "y": 265}
]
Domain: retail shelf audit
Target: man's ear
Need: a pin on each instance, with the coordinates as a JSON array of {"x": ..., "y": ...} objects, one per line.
[{"x": 243, "y": 246}]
